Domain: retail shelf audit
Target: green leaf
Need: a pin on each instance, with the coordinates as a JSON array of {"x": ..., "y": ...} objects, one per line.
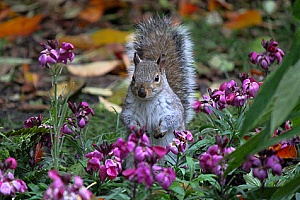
[
  {"x": 191, "y": 165},
  {"x": 296, "y": 9},
  {"x": 288, "y": 189},
  {"x": 177, "y": 189},
  {"x": 287, "y": 94},
  {"x": 237, "y": 157},
  {"x": 265, "y": 97}
]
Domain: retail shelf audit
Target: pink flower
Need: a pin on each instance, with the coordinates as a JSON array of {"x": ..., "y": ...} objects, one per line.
[
  {"x": 142, "y": 153},
  {"x": 11, "y": 163},
  {"x": 165, "y": 177}
]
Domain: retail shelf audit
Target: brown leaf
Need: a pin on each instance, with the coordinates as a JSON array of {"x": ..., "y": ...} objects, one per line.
[
  {"x": 186, "y": 9},
  {"x": 92, "y": 14},
  {"x": 243, "y": 20},
  {"x": 72, "y": 86},
  {"x": 32, "y": 107},
  {"x": 82, "y": 41},
  {"x": 215, "y": 4},
  {"x": 108, "y": 36},
  {"x": 109, "y": 105},
  {"x": 98, "y": 68},
  {"x": 20, "y": 26}
]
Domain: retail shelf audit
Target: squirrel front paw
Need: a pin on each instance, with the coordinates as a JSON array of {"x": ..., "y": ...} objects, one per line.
[{"x": 158, "y": 134}]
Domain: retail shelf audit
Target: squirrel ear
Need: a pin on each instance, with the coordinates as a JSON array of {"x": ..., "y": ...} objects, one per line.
[
  {"x": 161, "y": 61},
  {"x": 136, "y": 59}
]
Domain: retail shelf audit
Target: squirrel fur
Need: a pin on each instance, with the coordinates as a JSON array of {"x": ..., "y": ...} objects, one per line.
[{"x": 161, "y": 91}]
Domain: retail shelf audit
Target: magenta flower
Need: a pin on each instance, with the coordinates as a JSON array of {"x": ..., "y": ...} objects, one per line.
[
  {"x": 65, "y": 53},
  {"x": 33, "y": 121},
  {"x": 52, "y": 54},
  {"x": 165, "y": 177},
  {"x": 142, "y": 153},
  {"x": 62, "y": 188},
  {"x": 94, "y": 160},
  {"x": 8, "y": 184},
  {"x": 267, "y": 58},
  {"x": 80, "y": 114},
  {"x": 11, "y": 163},
  {"x": 197, "y": 106},
  {"x": 250, "y": 87}
]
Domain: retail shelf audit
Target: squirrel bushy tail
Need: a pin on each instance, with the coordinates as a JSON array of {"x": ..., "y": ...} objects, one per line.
[{"x": 158, "y": 36}]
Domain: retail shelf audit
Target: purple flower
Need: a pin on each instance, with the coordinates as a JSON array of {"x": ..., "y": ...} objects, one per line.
[
  {"x": 11, "y": 163},
  {"x": 62, "y": 188},
  {"x": 33, "y": 121},
  {"x": 52, "y": 54},
  {"x": 260, "y": 173},
  {"x": 65, "y": 53},
  {"x": 197, "y": 106},
  {"x": 165, "y": 177},
  {"x": 250, "y": 87},
  {"x": 65, "y": 129},
  {"x": 80, "y": 114},
  {"x": 266, "y": 58}
]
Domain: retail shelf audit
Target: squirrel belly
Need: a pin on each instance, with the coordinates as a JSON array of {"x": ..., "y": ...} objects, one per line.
[{"x": 162, "y": 87}]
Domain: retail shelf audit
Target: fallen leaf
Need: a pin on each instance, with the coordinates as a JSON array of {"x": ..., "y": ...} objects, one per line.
[
  {"x": 92, "y": 14},
  {"x": 20, "y": 26},
  {"x": 97, "y": 68},
  {"x": 186, "y": 9},
  {"x": 215, "y": 4},
  {"x": 110, "y": 106},
  {"x": 26, "y": 107},
  {"x": 243, "y": 20},
  {"x": 30, "y": 78},
  {"x": 287, "y": 152},
  {"x": 38, "y": 153},
  {"x": 97, "y": 91},
  {"x": 82, "y": 41},
  {"x": 68, "y": 87},
  {"x": 108, "y": 36}
]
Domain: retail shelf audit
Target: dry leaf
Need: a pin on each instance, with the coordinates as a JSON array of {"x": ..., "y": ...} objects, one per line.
[
  {"x": 108, "y": 36},
  {"x": 92, "y": 14},
  {"x": 82, "y": 41},
  {"x": 98, "y": 68},
  {"x": 110, "y": 106},
  {"x": 72, "y": 86},
  {"x": 243, "y": 20},
  {"x": 215, "y": 4},
  {"x": 186, "y": 9},
  {"x": 20, "y": 26},
  {"x": 97, "y": 91},
  {"x": 32, "y": 107},
  {"x": 30, "y": 77}
]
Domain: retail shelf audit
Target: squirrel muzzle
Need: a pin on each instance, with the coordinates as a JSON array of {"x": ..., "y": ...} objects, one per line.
[{"x": 142, "y": 92}]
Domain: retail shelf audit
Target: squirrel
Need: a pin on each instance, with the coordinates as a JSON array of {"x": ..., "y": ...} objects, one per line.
[{"x": 162, "y": 87}]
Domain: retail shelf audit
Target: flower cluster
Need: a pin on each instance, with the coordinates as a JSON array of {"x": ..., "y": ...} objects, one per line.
[
  {"x": 105, "y": 161},
  {"x": 229, "y": 93},
  {"x": 79, "y": 118},
  {"x": 145, "y": 156},
  {"x": 53, "y": 54},
  {"x": 213, "y": 159},
  {"x": 269, "y": 56},
  {"x": 8, "y": 184},
  {"x": 179, "y": 143},
  {"x": 61, "y": 188},
  {"x": 266, "y": 160}
]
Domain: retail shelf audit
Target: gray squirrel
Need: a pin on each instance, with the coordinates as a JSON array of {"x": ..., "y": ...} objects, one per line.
[{"x": 161, "y": 91}]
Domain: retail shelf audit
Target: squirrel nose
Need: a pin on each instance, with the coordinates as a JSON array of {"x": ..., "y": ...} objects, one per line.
[{"x": 142, "y": 92}]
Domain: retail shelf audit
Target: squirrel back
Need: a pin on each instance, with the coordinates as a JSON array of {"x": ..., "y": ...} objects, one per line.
[{"x": 159, "y": 36}]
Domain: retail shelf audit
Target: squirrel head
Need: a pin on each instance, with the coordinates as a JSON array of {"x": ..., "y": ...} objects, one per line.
[{"x": 148, "y": 78}]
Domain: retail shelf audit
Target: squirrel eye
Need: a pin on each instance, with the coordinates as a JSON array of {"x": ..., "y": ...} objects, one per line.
[
  {"x": 133, "y": 79},
  {"x": 156, "y": 79}
]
